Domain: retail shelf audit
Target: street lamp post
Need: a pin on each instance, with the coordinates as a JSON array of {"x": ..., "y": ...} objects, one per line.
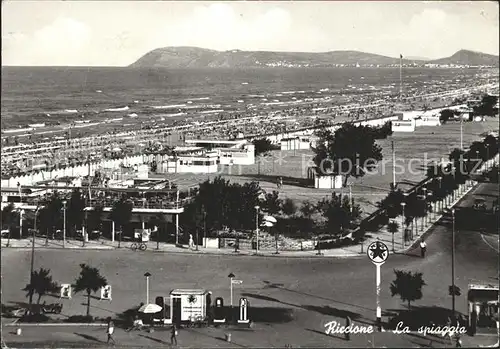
[
  {"x": 147, "y": 275},
  {"x": 21, "y": 214},
  {"x": 424, "y": 218},
  {"x": 33, "y": 258},
  {"x": 231, "y": 277},
  {"x": 64, "y": 222},
  {"x": 403, "y": 204},
  {"x": 440, "y": 194},
  {"x": 429, "y": 217},
  {"x": 257, "y": 228},
  {"x": 204, "y": 227}
]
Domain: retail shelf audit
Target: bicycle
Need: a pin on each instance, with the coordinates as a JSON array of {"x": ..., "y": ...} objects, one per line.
[
  {"x": 138, "y": 246},
  {"x": 196, "y": 321}
]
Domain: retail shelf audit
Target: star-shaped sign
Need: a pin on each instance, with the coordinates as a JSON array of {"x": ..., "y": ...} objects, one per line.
[
  {"x": 378, "y": 252},
  {"x": 192, "y": 299}
]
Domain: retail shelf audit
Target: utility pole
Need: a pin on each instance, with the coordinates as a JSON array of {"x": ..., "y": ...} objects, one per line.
[
  {"x": 400, "y": 76},
  {"x": 393, "y": 167}
]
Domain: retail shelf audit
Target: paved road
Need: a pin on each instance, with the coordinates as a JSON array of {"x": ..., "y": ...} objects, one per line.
[{"x": 296, "y": 297}]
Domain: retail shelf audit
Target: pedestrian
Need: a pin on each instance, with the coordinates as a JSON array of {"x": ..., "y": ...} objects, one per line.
[
  {"x": 173, "y": 335},
  {"x": 348, "y": 323},
  {"x": 281, "y": 182},
  {"x": 458, "y": 342},
  {"x": 423, "y": 248},
  {"x": 110, "y": 330},
  {"x": 191, "y": 241}
]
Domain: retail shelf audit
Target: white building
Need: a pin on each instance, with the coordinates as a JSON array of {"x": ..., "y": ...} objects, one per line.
[
  {"x": 296, "y": 143},
  {"x": 237, "y": 152},
  {"x": 193, "y": 163},
  {"x": 403, "y": 126}
]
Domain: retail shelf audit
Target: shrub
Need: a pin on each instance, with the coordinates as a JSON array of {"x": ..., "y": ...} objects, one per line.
[{"x": 34, "y": 318}]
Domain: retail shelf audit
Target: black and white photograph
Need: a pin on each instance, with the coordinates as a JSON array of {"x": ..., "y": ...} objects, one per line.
[{"x": 250, "y": 174}]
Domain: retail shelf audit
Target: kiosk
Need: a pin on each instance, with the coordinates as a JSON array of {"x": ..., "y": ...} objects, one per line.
[
  {"x": 483, "y": 308},
  {"x": 188, "y": 305}
]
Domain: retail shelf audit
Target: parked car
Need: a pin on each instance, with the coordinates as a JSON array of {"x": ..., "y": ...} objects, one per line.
[
  {"x": 479, "y": 204},
  {"x": 5, "y": 233},
  {"x": 93, "y": 235}
]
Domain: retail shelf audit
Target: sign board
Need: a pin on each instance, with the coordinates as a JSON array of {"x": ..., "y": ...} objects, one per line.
[
  {"x": 192, "y": 306},
  {"x": 237, "y": 282},
  {"x": 65, "y": 291},
  {"x": 378, "y": 252},
  {"x": 106, "y": 293}
]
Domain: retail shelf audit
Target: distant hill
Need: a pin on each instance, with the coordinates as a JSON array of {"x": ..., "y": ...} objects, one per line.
[
  {"x": 194, "y": 57},
  {"x": 466, "y": 57}
]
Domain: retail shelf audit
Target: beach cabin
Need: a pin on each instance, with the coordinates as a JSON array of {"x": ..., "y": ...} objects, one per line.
[
  {"x": 324, "y": 181},
  {"x": 295, "y": 143},
  {"x": 188, "y": 305},
  {"x": 483, "y": 307}
]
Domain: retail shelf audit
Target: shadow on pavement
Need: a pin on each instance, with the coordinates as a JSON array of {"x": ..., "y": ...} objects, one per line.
[
  {"x": 419, "y": 316},
  {"x": 91, "y": 338},
  {"x": 273, "y": 285},
  {"x": 154, "y": 339},
  {"x": 336, "y": 335},
  {"x": 324, "y": 310}
]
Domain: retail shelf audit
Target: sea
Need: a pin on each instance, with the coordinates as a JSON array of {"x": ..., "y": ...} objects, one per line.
[{"x": 39, "y": 94}]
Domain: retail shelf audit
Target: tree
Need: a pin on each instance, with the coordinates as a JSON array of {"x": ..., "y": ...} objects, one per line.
[
  {"x": 487, "y": 106},
  {"x": 446, "y": 114},
  {"x": 262, "y": 146},
  {"x": 288, "y": 207},
  {"x": 339, "y": 212},
  {"x": 350, "y": 151},
  {"x": 94, "y": 219},
  {"x": 407, "y": 285},
  {"x": 491, "y": 145},
  {"x": 225, "y": 205},
  {"x": 75, "y": 212},
  {"x": 393, "y": 227},
  {"x": 90, "y": 280},
  {"x": 41, "y": 283},
  {"x": 307, "y": 209},
  {"x": 54, "y": 212},
  {"x": 9, "y": 218},
  {"x": 392, "y": 203},
  {"x": 121, "y": 214},
  {"x": 272, "y": 203}
]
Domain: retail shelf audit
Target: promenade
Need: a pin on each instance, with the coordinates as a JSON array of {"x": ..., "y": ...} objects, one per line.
[{"x": 359, "y": 250}]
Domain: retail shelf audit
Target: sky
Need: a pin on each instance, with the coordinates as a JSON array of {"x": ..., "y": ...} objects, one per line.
[{"x": 117, "y": 33}]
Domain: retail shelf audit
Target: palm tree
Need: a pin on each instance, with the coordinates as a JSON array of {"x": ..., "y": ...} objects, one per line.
[
  {"x": 90, "y": 280},
  {"x": 9, "y": 217},
  {"x": 41, "y": 283}
]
